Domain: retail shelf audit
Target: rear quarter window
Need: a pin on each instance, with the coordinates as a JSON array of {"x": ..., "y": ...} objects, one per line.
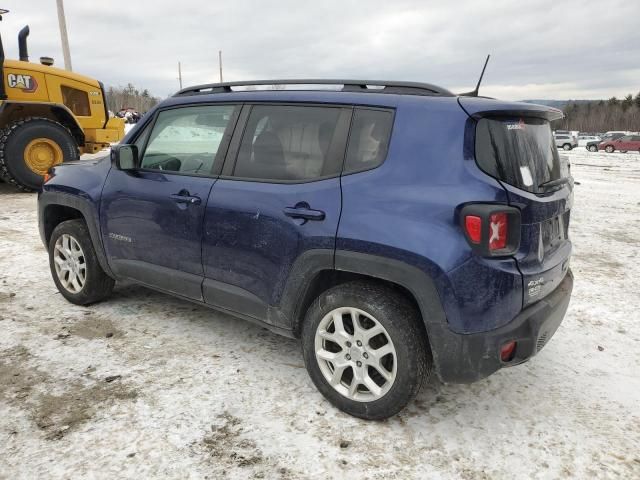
[{"x": 368, "y": 139}]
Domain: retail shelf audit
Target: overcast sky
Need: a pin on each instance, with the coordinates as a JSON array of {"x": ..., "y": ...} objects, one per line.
[{"x": 539, "y": 49}]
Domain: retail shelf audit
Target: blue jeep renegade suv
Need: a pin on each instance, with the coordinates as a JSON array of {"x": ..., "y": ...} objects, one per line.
[{"x": 395, "y": 228}]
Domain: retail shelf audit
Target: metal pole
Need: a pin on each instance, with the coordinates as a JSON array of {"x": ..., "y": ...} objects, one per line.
[
  {"x": 63, "y": 36},
  {"x": 180, "y": 75},
  {"x": 220, "y": 63}
]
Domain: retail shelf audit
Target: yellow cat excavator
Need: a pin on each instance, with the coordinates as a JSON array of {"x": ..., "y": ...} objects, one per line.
[{"x": 48, "y": 116}]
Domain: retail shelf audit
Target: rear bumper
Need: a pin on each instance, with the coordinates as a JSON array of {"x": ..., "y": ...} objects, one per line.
[{"x": 465, "y": 358}]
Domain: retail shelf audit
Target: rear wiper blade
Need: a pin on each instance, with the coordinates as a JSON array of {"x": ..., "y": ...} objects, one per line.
[{"x": 554, "y": 183}]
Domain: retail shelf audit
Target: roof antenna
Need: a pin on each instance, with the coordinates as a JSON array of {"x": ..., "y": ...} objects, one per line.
[{"x": 474, "y": 92}]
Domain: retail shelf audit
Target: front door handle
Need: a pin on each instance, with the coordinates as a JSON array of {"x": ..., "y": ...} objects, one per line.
[
  {"x": 185, "y": 197},
  {"x": 303, "y": 211}
]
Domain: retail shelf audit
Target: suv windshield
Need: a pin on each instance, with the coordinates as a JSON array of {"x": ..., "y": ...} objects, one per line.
[{"x": 519, "y": 151}]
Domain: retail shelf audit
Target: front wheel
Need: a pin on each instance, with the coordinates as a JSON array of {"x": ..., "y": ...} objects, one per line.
[
  {"x": 74, "y": 265},
  {"x": 593, "y": 148},
  {"x": 365, "y": 350},
  {"x": 566, "y": 146},
  {"x": 609, "y": 149}
]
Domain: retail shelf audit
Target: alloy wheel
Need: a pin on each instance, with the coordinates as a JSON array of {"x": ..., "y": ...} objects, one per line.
[
  {"x": 355, "y": 354},
  {"x": 70, "y": 263}
]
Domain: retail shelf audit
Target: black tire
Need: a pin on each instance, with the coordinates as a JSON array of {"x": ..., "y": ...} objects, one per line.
[
  {"x": 14, "y": 139},
  {"x": 593, "y": 148},
  {"x": 98, "y": 285},
  {"x": 609, "y": 149},
  {"x": 567, "y": 146},
  {"x": 402, "y": 322}
]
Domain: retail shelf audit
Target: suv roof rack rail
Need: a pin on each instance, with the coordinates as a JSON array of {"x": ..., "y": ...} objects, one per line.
[{"x": 406, "y": 88}]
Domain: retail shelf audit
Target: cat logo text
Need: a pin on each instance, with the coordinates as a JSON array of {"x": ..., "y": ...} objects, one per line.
[{"x": 26, "y": 83}]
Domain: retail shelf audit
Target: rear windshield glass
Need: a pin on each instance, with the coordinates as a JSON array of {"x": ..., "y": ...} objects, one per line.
[{"x": 518, "y": 151}]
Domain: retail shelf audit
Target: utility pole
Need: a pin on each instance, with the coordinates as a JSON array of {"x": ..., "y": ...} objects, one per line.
[
  {"x": 220, "y": 63},
  {"x": 180, "y": 75},
  {"x": 63, "y": 36}
]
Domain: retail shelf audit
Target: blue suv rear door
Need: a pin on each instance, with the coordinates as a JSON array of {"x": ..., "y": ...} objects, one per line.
[
  {"x": 277, "y": 198},
  {"x": 151, "y": 218}
]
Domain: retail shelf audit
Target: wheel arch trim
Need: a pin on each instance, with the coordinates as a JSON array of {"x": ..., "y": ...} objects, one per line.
[
  {"x": 87, "y": 211},
  {"x": 309, "y": 265}
]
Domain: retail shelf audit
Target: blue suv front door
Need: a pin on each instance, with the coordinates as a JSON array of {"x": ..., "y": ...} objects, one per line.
[
  {"x": 152, "y": 217},
  {"x": 279, "y": 197}
]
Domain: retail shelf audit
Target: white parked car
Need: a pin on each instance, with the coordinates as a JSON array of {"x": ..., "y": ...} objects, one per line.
[
  {"x": 583, "y": 140},
  {"x": 566, "y": 142}
]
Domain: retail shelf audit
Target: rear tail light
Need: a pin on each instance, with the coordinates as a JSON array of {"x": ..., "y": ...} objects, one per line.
[
  {"x": 473, "y": 226},
  {"x": 491, "y": 230}
]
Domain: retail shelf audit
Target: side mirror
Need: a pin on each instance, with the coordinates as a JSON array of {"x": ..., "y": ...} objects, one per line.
[{"x": 124, "y": 157}]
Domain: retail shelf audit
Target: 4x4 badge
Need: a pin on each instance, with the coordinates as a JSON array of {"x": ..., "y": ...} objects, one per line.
[{"x": 535, "y": 286}]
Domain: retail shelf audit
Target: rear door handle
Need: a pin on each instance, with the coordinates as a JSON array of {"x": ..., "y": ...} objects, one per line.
[
  {"x": 304, "y": 212},
  {"x": 185, "y": 197}
]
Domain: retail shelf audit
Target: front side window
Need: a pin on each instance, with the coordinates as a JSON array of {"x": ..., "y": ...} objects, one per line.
[
  {"x": 187, "y": 139},
  {"x": 76, "y": 100},
  {"x": 283, "y": 142},
  {"x": 368, "y": 140}
]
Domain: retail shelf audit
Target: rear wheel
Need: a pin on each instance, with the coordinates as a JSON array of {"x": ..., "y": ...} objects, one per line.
[
  {"x": 609, "y": 149},
  {"x": 74, "y": 265},
  {"x": 566, "y": 146},
  {"x": 364, "y": 349},
  {"x": 30, "y": 147},
  {"x": 593, "y": 148}
]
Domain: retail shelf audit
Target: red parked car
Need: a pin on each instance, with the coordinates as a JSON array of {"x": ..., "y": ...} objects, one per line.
[{"x": 628, "y": 143}]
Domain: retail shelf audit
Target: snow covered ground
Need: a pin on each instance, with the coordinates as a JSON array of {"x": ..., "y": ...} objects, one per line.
[{"x": 147, "y": 386}]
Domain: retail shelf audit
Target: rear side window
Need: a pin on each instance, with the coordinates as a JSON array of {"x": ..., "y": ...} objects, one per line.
[
  {"x": 368, "y": 140},
  {"x": 283, "y": 142},
  {"x": 518, "y": 151},
  {"x": 76, "y": 100}
]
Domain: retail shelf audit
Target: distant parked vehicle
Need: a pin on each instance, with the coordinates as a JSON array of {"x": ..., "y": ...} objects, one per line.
[
  {"x": 564, "y": 141},
  {"x": 592, "y": 146},
  {"x": 623, "y": 144},
  {"x": 616, "y": 132},
  {"x": 583, "y": 140}
]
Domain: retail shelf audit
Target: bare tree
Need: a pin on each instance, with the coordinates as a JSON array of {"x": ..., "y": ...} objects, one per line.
[
  {"x": 602, "y": 116},
  {"x": 130, "y": 97}
]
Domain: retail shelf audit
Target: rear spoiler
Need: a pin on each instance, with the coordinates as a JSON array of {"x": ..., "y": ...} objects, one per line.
[{"x": 477, "y": 107}]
